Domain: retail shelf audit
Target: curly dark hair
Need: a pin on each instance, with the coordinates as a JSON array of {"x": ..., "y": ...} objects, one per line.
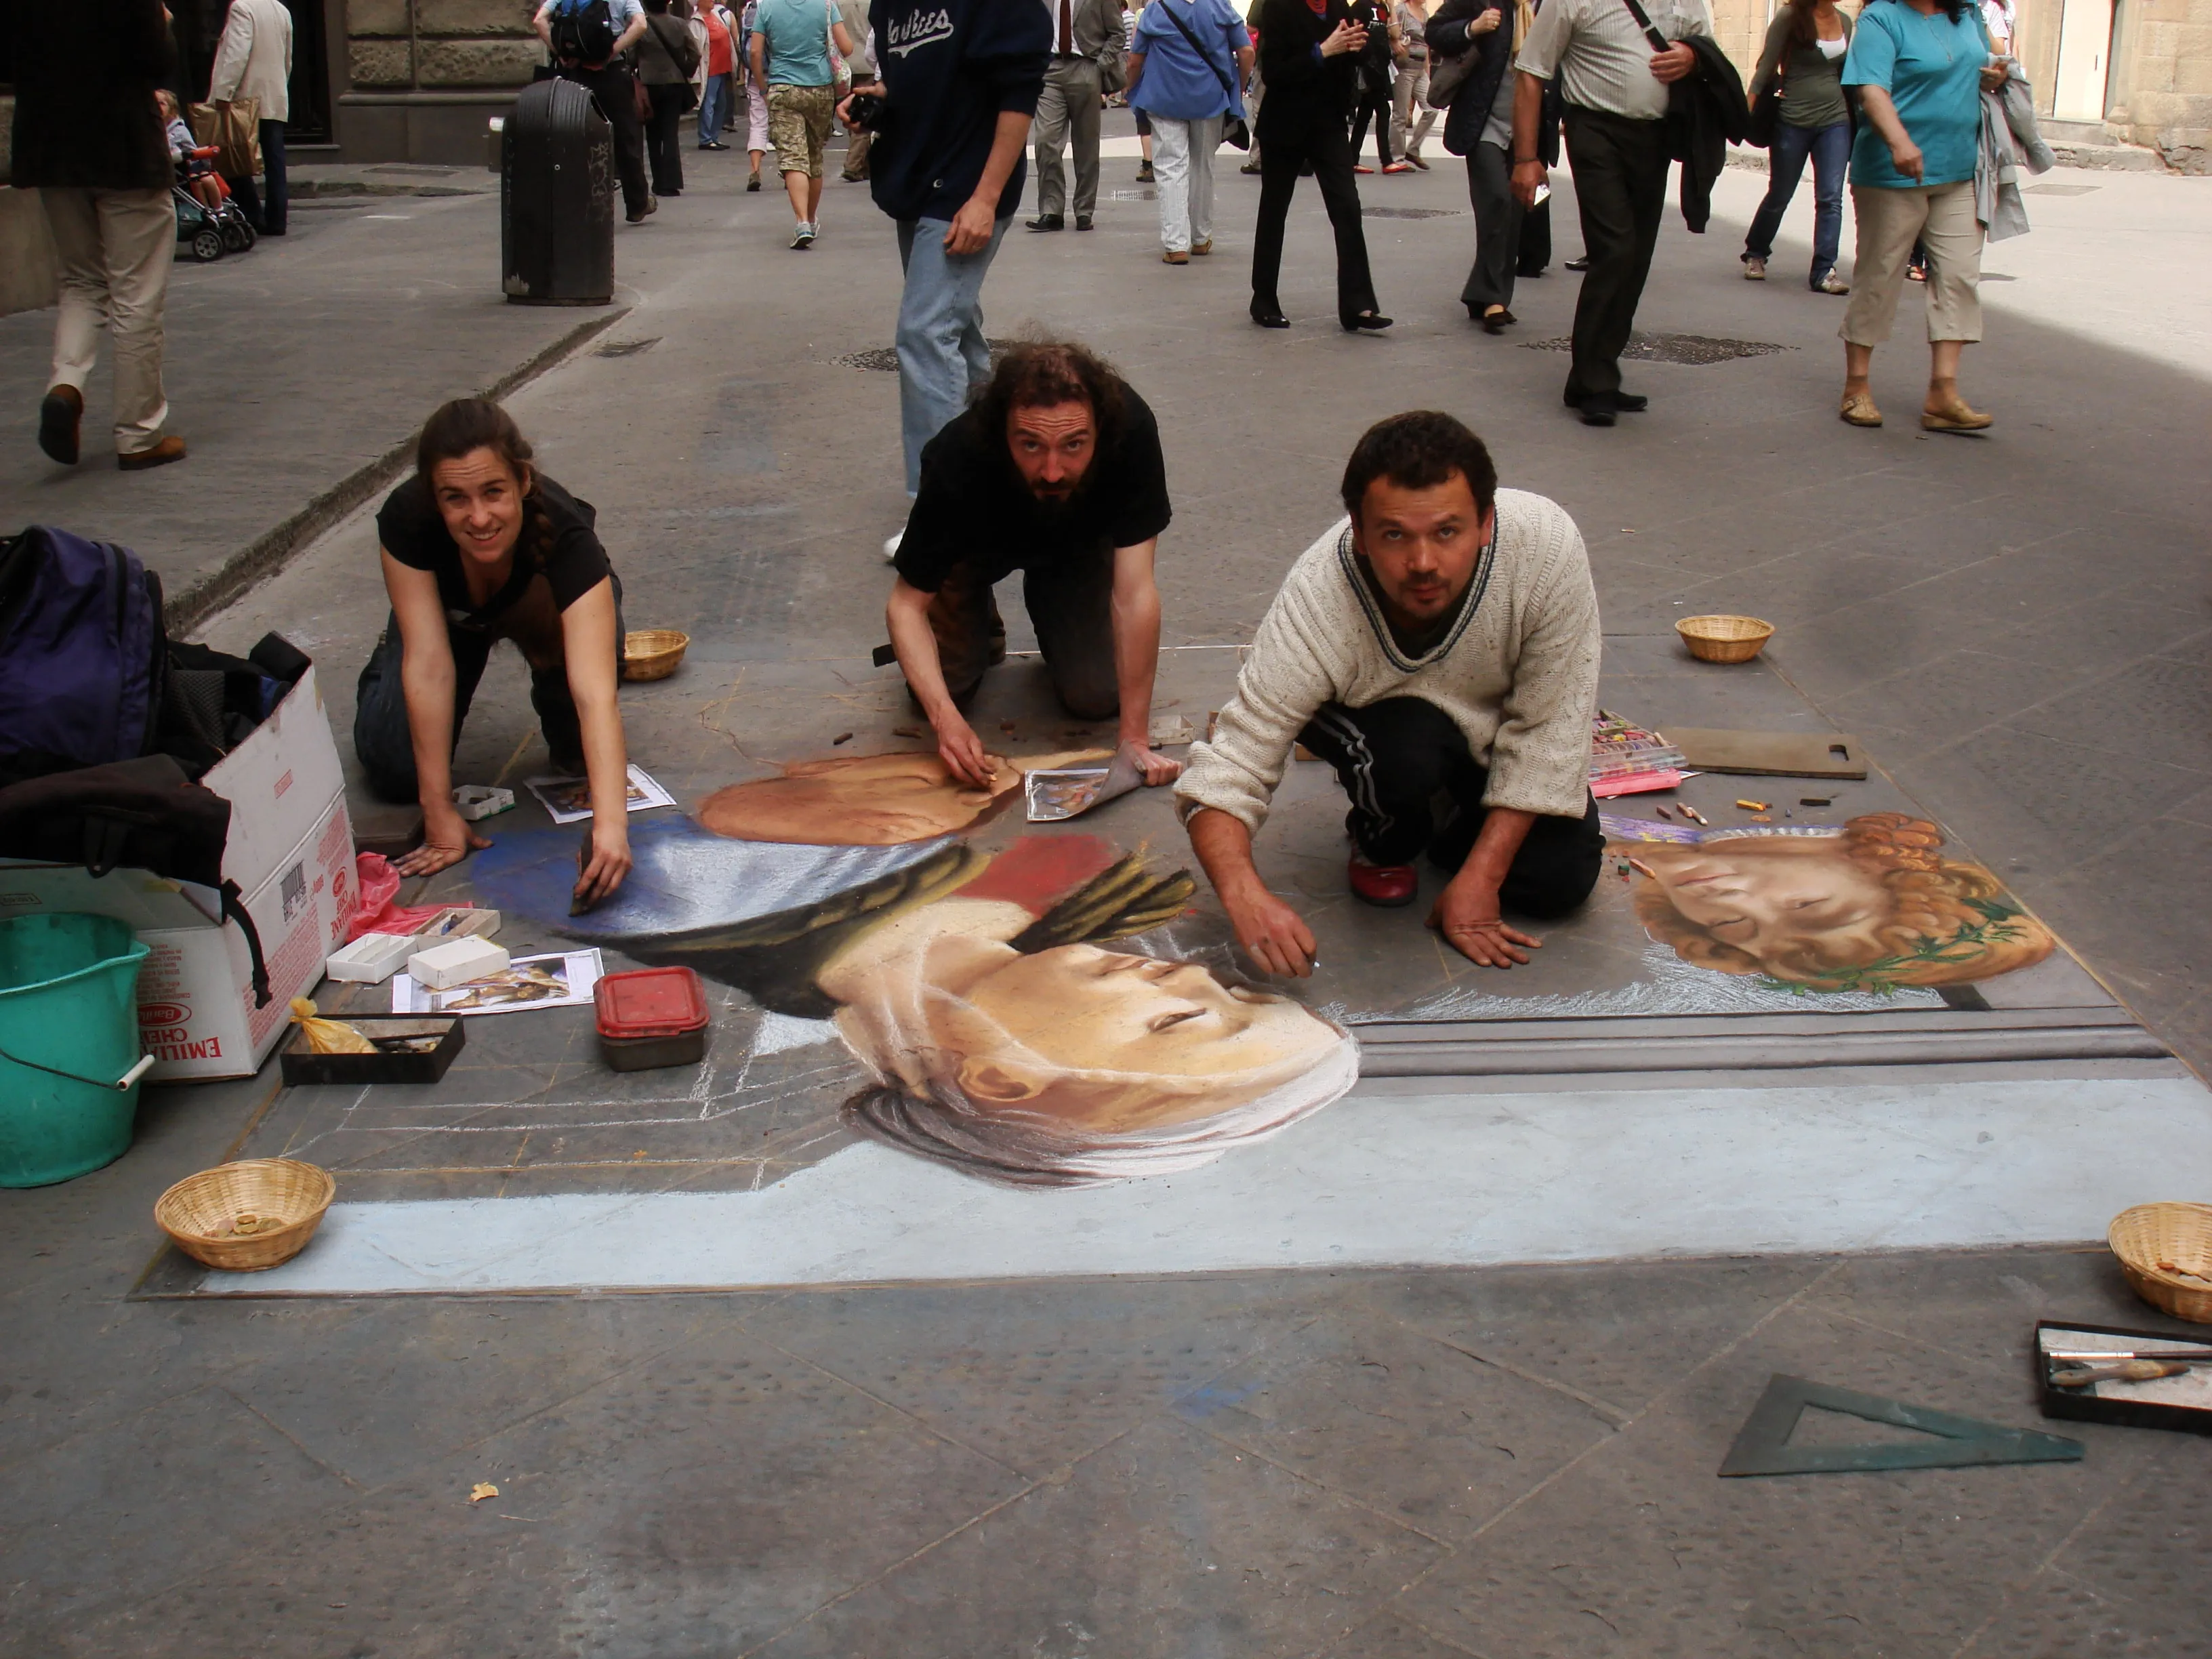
[
  {"x": 1039, "y": 373},
  {"x": 1418, "y": 450}
]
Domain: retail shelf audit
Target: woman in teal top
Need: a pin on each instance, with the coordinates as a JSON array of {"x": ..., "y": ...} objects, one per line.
[{"x": 1919, "y": 67}]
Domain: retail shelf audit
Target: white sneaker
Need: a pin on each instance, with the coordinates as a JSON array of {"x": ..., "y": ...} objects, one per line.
[
  {"x": 891, "y": 546},
  {"x": 1831, "y": 283},
  {"x": 803, "y": 237},
  {"x": 1754, "y": 271}
]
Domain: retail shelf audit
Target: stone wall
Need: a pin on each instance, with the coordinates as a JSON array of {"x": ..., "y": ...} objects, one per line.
[
  {"x": 2168, "y": 83},
  {"x": 394, "y": 46},
  {"x": 26, "y": 253}
]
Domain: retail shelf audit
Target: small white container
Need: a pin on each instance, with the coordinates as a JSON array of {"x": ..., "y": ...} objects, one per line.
[
  {"x": 442, "y": 967},
  {"x": 372, "y": 958},
  {"x": 474, "y": 801}
]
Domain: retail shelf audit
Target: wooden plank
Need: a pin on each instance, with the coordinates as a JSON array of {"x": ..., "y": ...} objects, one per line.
[{"x": 1770, "y": 754}]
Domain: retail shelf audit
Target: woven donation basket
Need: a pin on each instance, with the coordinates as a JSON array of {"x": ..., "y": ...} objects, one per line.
[
  {"x": 246, "y": 1216},
  {"x": 1724, "y": 639},
  {"x": 2166, "y": 1250},
  {"x": 653, "y": 654}
]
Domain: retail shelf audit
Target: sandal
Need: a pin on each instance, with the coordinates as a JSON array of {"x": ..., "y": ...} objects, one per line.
[
  {"x": 1955, "y": 416},
  {"x": 1859, "y": 411}
]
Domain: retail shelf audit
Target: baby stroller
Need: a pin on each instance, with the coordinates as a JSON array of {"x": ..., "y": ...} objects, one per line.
[{"x": 209, "y": 232}]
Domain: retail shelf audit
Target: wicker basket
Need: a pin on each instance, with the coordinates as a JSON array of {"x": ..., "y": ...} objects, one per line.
[
  {"x": 2151, "y": 1240},
  {"x": 203, "y": 1213},
  {"x": 1724, "y": 639},
  {"x": 652, "y": 654}
]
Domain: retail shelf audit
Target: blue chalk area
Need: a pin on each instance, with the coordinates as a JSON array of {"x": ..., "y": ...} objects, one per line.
[{"x": 684, "y": 878}]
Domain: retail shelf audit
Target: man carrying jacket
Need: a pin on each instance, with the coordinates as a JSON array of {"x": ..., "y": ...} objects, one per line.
[
  {"x": 960, "y": 81},
  {"x": 1615, "y": 61}
]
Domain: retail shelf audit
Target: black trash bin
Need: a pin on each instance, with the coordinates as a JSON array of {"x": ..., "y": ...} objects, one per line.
[{"x": 556, "y": 198}]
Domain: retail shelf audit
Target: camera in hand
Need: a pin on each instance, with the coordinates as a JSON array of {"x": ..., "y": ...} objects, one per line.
[{"x": 862, "y": 111}]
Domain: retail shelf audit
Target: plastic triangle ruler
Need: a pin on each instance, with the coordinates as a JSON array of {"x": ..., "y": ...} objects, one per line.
[{"x": 1763, "y": 1447}]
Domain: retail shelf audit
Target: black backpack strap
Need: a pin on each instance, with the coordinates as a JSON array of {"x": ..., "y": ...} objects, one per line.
[
  {"x": 1659, "y": 42},
  {"x": 233, "y": 910}
]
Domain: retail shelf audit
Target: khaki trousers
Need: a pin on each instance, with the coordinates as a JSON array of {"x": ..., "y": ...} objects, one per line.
[
  {"x": 1940, "y": 217},
  {"x": 113, "y": 248}
]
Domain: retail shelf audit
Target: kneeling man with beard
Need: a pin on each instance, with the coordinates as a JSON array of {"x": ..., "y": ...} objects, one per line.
[
  {"x": 1438, "y": 648},
  {"x": 1054, "y": 470}
]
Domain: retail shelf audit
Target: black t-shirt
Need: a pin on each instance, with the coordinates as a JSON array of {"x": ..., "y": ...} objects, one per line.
[
  {"x": 973, "y": 506},
  {"x": 413, "y": 532}
]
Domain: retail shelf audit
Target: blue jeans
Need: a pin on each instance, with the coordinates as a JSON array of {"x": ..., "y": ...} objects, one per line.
[
  {"x": 1830, "y": 147},
  {"x": 714, "y": 108},
  {"x": 941, "y": 350}
]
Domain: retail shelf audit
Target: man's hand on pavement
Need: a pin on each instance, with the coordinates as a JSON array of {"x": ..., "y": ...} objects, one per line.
[
  {"x": 1465, "y": 913},
  {"x": 1151, "y": 766},
  {"x": 962, "y": 751},
  {"x": 1272, "y": 934},
  {"x": 1672, "y": 64},
  {"x": 971, "y": 227}
]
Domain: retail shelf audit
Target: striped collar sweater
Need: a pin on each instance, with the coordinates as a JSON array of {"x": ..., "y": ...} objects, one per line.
[{"x": 1517, "y": 672}]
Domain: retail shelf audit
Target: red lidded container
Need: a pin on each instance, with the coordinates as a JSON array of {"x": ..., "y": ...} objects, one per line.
[{"x": 653, "y": 1017}]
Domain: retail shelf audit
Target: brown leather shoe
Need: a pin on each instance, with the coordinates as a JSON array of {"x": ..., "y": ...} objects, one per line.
[
  {"x": 1858, "y": 408},
  {"x": 1201, "y": 249},
  {"x": 169, "y": 449},
  {"x": 1955, "y": 416},
  {"x": 59, "y": 413},
  {"x": 1172, "y": 258}
]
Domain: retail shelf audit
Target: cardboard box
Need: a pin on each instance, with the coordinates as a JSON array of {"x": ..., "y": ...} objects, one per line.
[{"x": 290, "y": 851}]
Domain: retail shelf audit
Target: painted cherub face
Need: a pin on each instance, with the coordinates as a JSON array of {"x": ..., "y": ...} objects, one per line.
[
  {"x": 1178, "y": 1044},
  {"x": 855, "y": 800},
  {"x": 1776, "y": 897}
]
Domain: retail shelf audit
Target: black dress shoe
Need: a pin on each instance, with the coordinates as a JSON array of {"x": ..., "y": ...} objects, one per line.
[
  {"x": 60, "y": 414},
  {"x": 1494, "y": 322},
  {"x": 1598, "y": 411},
  {"x": 1373, "y": 322},
  {"x": 1269, "y": 317},
  {"x": 1582, "y": 264},
  {"x": 1624, "y": 403},
  {"x": 1083, "y": 221},
  {"x": 1046, "y": 222}
]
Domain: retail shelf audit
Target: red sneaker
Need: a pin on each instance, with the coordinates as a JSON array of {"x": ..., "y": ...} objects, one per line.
[{"x": 1387, "y": 886}]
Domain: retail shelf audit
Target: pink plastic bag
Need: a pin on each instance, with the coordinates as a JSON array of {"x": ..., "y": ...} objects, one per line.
[{"x": 377, "y": 914}]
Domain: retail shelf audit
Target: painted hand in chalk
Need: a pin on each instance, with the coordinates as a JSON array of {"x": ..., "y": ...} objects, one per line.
[
  {"x": 447, "y": 840},
  {"x": 1467, "y": 915}
]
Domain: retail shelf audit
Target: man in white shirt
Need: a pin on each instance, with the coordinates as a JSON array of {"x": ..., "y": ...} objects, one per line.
[
  {"x": 254, "y": 60},
  {"x": 1442, "y": 640},
  {"x": 1615, "y": 76}
]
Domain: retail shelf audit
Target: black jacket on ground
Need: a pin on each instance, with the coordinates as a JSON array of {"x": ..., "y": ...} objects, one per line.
[
  {"x": 1301, "y": 92},
  {"x": 1470, "y": 106},
  {"x": 1706, "y": 113},
  {"x": 85, "y": 72}
]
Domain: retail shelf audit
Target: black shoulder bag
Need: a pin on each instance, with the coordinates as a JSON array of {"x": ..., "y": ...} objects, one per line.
[{"x": 1234, "y": 132}]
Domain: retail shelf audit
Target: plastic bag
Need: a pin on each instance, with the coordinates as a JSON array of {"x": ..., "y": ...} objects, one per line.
[
  {"x": 376, "y": 913},
  {"x": 328, "y": 1037}
]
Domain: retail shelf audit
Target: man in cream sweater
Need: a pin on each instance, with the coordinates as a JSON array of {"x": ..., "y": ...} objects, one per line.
[{"x": 1442, "y": 640}]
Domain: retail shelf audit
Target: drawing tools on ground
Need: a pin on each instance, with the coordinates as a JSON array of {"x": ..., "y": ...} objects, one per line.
[
  {"x": 477, "y": 801},
  {"x": 560, "y": 979},
  {"x": 1948, "y": 1441},
  {"x": 2136, "y": 1379},
  {"x": 1692, "y": 813},
  {"x": 569, "y": 800}
]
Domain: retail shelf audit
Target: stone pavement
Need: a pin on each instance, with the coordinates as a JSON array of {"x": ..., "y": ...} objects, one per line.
[{"x": 1415, "y": 1463}]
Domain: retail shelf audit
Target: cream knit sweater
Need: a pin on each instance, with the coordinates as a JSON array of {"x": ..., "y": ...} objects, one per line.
[{"x": 1517, "y": 674}]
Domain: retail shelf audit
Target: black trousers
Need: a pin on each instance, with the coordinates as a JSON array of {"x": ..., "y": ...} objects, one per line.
[
  {"x": 664, "y": 147},
  {"x": 611, "y": 85},
  {"x": 1286, "y": 151},
  {"x": 1498, "y": 216},
  {"x": 269, "y": 213},
  {"x": 1396, "y": 757},
  {"x": 1071, "y": 606},
  {"x": 1620, "y": 185},
  {"x": 381, "y": 736},
  {"x": 1375, "y": 102}
]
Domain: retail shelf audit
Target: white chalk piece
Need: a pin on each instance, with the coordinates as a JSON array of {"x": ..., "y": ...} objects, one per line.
[
  {"x": 444, "y": 966},
  {"x": 480, "y": 800},
  {"x": 372, "y": 958}
]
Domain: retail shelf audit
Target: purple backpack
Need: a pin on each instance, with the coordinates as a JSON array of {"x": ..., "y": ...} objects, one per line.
[{"x": 82, "y": 653}]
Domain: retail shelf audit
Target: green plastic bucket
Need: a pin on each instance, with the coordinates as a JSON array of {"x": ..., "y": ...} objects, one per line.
[{"x": 69, "y": 1037}]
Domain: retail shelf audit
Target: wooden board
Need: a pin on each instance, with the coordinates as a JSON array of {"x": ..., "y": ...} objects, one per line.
[{"x": 1770, "y": 754}]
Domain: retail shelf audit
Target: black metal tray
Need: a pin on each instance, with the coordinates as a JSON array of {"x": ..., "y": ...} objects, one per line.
[
  {"x": 303, "y": 1065},
  {"x": 2081, "y": 1407}
]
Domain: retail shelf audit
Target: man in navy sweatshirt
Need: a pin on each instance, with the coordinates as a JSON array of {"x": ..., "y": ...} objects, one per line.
[{"x": 960, "y": 81}]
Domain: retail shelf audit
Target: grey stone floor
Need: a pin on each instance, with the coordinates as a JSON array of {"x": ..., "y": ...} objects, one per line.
[{"x": 1412, "y": 1463}]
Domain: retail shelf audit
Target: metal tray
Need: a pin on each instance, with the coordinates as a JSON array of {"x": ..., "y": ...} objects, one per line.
[{"x": 303, "y": 1065}]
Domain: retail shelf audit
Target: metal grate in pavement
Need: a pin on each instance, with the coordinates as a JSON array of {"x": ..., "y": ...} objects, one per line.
[{"x": 1692, "y": 348}]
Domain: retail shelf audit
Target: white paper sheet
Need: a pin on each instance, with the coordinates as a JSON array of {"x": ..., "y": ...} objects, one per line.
[
  {"x": 559, "y": 979},
  {"x": 569, "y": 800}
]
